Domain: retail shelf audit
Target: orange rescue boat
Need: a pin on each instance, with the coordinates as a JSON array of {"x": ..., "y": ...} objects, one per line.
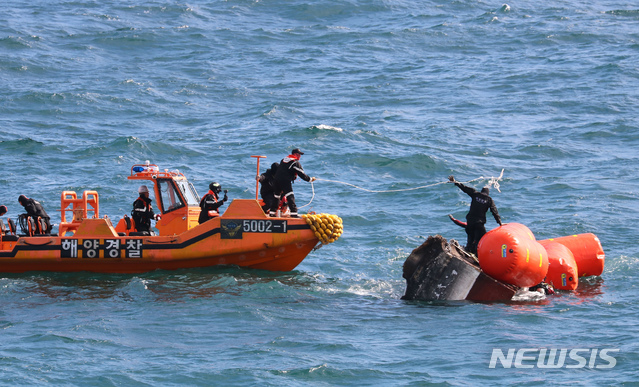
[{"x": 242, "y": 236}]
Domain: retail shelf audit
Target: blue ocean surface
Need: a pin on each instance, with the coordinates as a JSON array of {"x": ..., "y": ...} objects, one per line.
[{"x": 383, "y": 95}]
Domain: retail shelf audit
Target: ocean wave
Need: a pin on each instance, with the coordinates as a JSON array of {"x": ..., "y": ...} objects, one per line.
[
  {"x": 624, "y": 12},
  {"x": 412, "y": 165},
  {"x": 138, "y": 150},
  {"x": 15, "y": 42},
  {"x": 622, "y": 266},
  {"x": 325, "y": 127},
  {"x": 21, "y": 144}
]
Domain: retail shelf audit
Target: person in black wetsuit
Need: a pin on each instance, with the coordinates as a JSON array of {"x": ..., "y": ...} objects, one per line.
[
  {"x": 480, "y": 203},
  {"x": 267, "y": 187},
  {"x": 287, "y": 172},
  {"x": 142, "y": 212},
  {"x": 35, "y": 210},
  {"x": 543, "y": 288},
  {"x": 210, "y": 203}
]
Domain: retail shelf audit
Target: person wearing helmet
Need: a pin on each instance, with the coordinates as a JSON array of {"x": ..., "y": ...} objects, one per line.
[
  {"x": 267, "y": 187},
  {"x": 287, "y": 172},
  {"x": 210, "y": 203},
  {"x": 35, "y": 210},
  {"x": 476, "y": 218},
  {"x": 142, "y": 213}
]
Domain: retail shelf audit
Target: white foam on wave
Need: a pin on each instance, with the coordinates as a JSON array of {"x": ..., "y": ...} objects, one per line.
[
  {"x": 327, "y": 127},
  {"x": 524, "y": 294},
  {"x": 365, "y": 287}
]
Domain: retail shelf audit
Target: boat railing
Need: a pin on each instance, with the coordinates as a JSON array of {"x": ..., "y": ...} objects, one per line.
[{"x": 88, "y": 206}]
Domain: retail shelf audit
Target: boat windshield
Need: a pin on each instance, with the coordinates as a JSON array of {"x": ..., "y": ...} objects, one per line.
[
  {"x": 189, "y": 193},
  {"x": 170, "y": 199}
]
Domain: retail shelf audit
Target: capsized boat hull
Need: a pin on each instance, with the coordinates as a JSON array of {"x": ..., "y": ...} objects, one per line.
[
  {"x": 442, "y": 271},
  {"x": 244, "y": 236}
]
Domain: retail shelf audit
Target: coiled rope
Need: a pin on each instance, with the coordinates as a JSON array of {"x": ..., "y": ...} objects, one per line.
[{"x": 492, "y": 182}]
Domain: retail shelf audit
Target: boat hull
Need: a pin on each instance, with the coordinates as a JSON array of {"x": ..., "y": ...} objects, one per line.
[
  {"x": 280, "y": 258},
  {"x": 246, "y": 238}
]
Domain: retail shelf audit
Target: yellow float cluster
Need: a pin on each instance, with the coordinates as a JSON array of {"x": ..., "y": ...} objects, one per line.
[{"x": 327, "y": 228}]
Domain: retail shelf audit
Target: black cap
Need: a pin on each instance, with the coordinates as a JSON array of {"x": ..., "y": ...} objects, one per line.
[{"x": 297, "y": 150}]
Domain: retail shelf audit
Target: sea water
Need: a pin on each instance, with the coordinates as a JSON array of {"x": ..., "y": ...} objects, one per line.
[{"x": 386, "y": 96}]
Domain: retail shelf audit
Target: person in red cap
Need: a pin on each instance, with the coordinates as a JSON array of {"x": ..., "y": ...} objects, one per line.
[{"x": 288, "y": 170}]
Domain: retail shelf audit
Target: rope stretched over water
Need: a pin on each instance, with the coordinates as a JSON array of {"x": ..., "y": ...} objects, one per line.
[
  {"x": 493, "y": 181},
  {"x": 384, "y": 191}
]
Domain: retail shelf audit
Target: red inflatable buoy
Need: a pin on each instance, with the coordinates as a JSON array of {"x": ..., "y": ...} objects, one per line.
[
  {"x": 562, "y": 268},
  {"x": 587, "y": 251},
  {"x": 511, "y": 254}
]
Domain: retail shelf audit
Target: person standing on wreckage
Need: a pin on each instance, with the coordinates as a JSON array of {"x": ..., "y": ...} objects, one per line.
[
  {"x": 287, "y": 172},
  {"x": 476, "y": 218}
]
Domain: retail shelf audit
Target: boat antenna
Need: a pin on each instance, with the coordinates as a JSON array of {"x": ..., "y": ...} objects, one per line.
[{"x": 257, "y": 176}]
